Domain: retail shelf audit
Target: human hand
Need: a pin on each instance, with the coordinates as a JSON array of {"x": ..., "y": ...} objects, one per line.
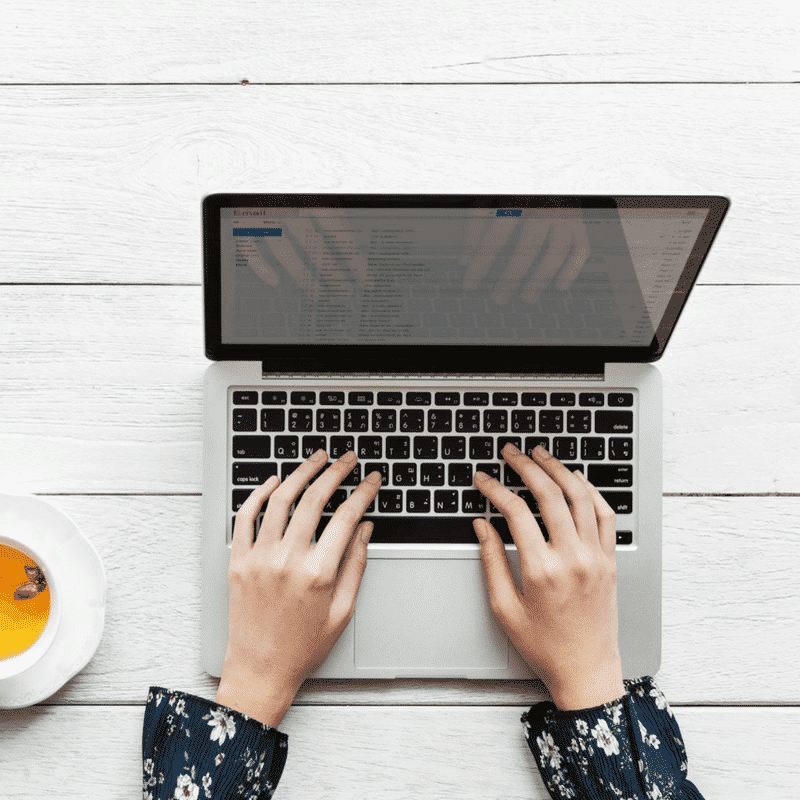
[
  {"x": 315, "y": 251},
  {"x": 565, "y": 621},
  {"x": 289, "y": 601},
  {"x": 567, "y": 238}
]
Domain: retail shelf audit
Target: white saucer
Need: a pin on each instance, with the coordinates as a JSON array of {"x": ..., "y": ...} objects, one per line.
[{"x": 82, "y": 581}]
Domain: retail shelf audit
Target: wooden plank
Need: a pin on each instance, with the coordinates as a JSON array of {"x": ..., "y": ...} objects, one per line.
[
  {"x": 496, "y": 41},
  {"x": 104, "y": 184},
  {"x": 386, "y": 752},
  {"x": 108, "y": 380},
  {"x": 730, "y": 608}
]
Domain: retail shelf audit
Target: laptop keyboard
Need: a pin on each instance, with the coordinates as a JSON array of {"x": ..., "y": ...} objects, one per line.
[{"x": 428, "y": 444}]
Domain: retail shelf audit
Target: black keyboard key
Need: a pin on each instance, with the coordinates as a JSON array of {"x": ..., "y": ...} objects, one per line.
[
  {"x": 288, "y": 467},
  {"x": 618, "y": 399},
  {"x": 245, "y": 419},
  {"x": 390, "y": 398},
  {"x": 565, "y": 448},
  {"x": 579, "y": 421},
  {"x": 341, "y": 445},
  {"x": 502, "y": 441},
  {"x": 620, "y": 449},
  {"x": 476, "y": 398},
  {"x": 431, "y": 474},
  {"x": 273, "y": 398},
  {"x": 511, "y": 477},
  {"x": 613, "y": 421},
  {"x": 620, "y": 502},
  {"x": 459, "y": 474},
  {"x": 251, "y": 446},
  {"x": 336, "y": 499},
  {"x": 390, "y": 501},
  {"x": 238, "y": 498},
  {"x": 445, "y": 501},
  {"x": 426, "y": 447},
  {"x": 551, "y": 421},
  {"x": 404, "y": 474},
  {"x": 418, "y": 501},
  {"x": 331, "y": 398},
  {"x": 398, "y": 447},
  {"x": 623, "y": 537},
  {"x": 245, "y": 398},
  {"x": 384, "y": 420},
  {"x": 481, "y": 447},
  {"x": 495, "y": 421},
  {"x": 501, "y": 526},
  {"x": 285, "y": 447},
  {"x": 329, "y": 419},
  {"x": 591, "y": 399},
  {"x": 303, "y": 398},
  {"x": 523, "y": 421},
  {"x": 562, "y": 398},
  {"x": 412, "y": 420},
  {"x": 301, "y": 419},
  {"x": 611, "y": 474},
  {"x": 532, "y": 442},
  {"x": 381, "y": 467},
  {"x": 273, "y": 419},
  {"x": 353, "y": 478},
  {"x": 593, "y": 448},
  {"x": 253, "y": 473},
  {"x": 360, "y": 398},
  {"x": 440, "y": 420},
  {"x": 468, "y": 421},
  {"x": 370, "y": 447},
  {"x": 418, "y": 399},
  {"x": 472, "y": 502},
  {"x": 504, "y": 398},
  {"x": 356, "y": 420},
  {"x": 454, "y": 447},
  {"x": 447, "y": 399},
  {"x": 534, "y": 398},
  {"x": 313, "y": 443},
  {"x": 491, "y": 469},
  {"x": 429, "y": 528},
  {"x": 575, "y": 466}
]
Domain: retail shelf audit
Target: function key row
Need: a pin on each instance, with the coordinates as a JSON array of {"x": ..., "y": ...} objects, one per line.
[{"x": 364, "y": 398}]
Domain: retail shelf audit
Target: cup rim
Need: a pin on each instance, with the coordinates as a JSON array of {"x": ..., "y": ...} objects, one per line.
[{"x": 16, "y": 665}]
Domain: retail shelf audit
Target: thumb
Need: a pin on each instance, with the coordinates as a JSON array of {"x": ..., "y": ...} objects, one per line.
[{"x": 503, "y": 593}]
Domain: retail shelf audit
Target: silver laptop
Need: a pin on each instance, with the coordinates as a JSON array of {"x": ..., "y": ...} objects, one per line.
[{"x": 424, "y": 332}]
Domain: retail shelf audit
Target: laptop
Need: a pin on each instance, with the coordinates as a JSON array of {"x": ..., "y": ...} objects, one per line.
[{"x": 424, "y": 332}]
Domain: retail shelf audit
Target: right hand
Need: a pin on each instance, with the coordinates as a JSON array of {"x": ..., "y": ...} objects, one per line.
[{"x": 564, "y": 623}]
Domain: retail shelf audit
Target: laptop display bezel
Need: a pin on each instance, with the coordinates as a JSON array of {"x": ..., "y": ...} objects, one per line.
[{"x": 434, "y": 359}]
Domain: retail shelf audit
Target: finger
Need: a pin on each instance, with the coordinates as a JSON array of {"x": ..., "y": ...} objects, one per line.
[
  {"x": 606, "y": 519},
  {"x": 503, "y": 593},
  {"x": 349, "y": 580},
  {"x": 527, "y": 250},
  {"x": 493, "y": 240},
  {"x": 525, "y": 531},
  {"x": 557, "y": 249},
  {"x": 244, "y": 526},
  {"x": 577, "y": 257},
  {"x": 293, "y": 264},
  {"x": 277, "y": 512},
  {"x": 345, "y": 241},
  {"x": 566, "y": 506},
  {"x": 308, "y": 512},
  {"x": 338, "y": 533}
]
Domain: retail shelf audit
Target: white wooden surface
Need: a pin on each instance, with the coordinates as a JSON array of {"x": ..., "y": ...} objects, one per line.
[{"x": 115, "y": 120}]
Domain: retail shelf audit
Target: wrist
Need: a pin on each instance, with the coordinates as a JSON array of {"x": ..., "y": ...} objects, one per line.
[
  {"x": 264, "y": 699},
  {"x": 599, "y": 687}
]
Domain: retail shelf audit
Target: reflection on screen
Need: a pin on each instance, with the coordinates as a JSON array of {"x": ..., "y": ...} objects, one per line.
[{"x": 450, "y": 276}]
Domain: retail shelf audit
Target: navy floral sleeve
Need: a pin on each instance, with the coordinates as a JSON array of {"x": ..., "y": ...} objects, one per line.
[
  {"x": 194, "y": 748},
  {"x": 628, "y": 749}
]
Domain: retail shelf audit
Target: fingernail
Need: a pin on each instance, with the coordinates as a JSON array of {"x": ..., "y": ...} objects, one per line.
[
  {"x": 348, "y": 457},
  {"x": 375, "y": 478},
  {"x": 480, "y": 477},
  {"x": 541, "y": 452},
  {"x": 318, "y": 456},
  {"x": 512, "y": 448}
]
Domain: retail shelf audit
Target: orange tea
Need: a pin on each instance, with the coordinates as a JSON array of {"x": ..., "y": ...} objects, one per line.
[{"x": 24, "y": 602}]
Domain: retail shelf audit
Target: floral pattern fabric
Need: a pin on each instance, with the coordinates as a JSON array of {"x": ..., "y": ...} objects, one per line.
[
  {"x": 627, "y": 749},
  {"x": 195, "y": 749}
]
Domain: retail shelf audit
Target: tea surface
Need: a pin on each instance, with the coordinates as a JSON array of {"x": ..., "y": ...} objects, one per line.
[{"x": 21, "y": 621}]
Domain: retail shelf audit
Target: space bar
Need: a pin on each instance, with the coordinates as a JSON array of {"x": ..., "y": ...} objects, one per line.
[{"x": 429, "y": 529}]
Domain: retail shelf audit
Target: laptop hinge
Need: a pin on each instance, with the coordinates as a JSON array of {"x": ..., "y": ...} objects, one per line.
[{"x": 589, "y": 372}]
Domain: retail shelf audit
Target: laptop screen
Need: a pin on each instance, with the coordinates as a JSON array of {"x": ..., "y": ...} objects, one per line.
[{"x": 475, "y": 273}]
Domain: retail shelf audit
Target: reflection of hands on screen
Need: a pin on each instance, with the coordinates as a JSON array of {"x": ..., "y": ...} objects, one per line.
[
  {"x": 567, "y": 240},
  {"x": 315, "y": 251}
]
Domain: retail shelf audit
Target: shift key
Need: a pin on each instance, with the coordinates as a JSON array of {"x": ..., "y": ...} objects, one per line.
[{"x": 251, "y": 446}]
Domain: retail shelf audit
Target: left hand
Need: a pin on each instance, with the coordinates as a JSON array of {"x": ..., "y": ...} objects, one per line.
[{"x": 289, "y": 601}]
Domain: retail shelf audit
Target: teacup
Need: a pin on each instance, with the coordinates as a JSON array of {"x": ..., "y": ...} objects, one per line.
[{"x": 18, "y": 621}]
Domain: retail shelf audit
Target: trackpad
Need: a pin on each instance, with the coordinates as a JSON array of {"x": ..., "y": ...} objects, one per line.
[{"x": 426, "y": 614}]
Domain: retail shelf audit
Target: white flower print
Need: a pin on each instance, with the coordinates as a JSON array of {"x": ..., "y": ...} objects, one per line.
[
  {"x": 615, "y": 712},
  {"x": 186, "y": 789},
  {"x": 218, "y": 759},
  {"x": 652, "y": 739},
  {"x": 582, "y": 726},
  {"x": 606, "y": 739},
  {"x": 223, "y": 725},
  {"x": 549, "y": 749},
  {"x": 207, "y": 784},
  {"x": 179, "y": 706},
  {"x": 661, "y": 701},
  {"x": 655, "y": 793}
]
